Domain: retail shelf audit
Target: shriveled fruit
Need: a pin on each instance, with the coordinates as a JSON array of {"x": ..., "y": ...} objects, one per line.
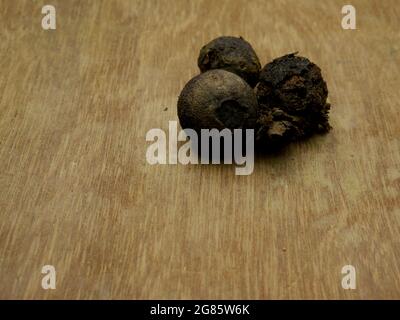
[{"x": 293, "y": 97}]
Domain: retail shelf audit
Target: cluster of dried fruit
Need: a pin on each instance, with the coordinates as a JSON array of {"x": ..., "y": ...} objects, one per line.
[{"x": 284, "y": 101}]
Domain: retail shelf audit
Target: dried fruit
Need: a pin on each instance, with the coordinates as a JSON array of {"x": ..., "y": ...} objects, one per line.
[
  {"x": 293, "y": 100},
  {"x": 217, "y": 99},
  {"x": 289, "y": 102},
  {"x": 231, "y": 54}
]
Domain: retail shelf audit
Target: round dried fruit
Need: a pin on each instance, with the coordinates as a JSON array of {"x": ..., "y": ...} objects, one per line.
[
  {"x": 231, "y": 54},
  {"x": 217, "y": 99}
]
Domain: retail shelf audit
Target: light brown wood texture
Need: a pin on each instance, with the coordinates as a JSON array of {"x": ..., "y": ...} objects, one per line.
[{"x": 76, "y": 191}]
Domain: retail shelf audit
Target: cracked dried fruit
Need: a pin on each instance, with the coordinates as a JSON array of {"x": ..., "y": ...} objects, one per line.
[{"x": 293, "y": 100}]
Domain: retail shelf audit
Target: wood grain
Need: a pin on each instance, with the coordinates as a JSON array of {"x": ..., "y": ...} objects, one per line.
[{"x": 76, "y": 191}]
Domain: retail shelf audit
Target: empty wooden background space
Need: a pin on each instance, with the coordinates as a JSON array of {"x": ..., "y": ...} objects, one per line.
[{"x": 76, "y": 191}]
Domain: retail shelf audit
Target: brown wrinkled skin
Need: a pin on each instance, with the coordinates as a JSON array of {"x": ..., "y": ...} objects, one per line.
[
  {"x": 217, "y": 99},
  {"x": 293, "y": 100},
  {"x": 231, "y": 54}
]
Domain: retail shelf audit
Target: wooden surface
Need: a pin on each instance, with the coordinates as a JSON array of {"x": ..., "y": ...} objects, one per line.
[{"x": 76, "y": 191}]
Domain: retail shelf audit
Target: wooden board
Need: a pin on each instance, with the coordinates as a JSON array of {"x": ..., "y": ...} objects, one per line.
[{"x": 77, "y": 193}]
